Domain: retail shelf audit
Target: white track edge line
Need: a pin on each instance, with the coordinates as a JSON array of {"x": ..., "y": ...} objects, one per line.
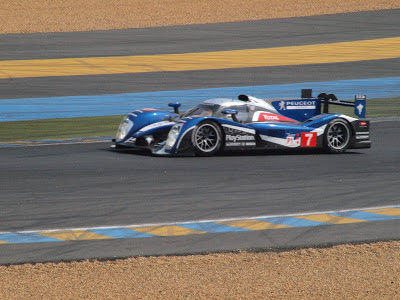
[{"x": 207, "y": 221}]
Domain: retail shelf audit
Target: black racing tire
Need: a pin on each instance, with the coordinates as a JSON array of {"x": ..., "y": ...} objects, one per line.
[
  {"x": 207, "y": 139},
  {"x": 337, "y": 136}
]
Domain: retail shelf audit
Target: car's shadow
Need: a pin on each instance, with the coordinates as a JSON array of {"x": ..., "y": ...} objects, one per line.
[
  {"x": 282, "y": 152},
  {"x": 130, "y": 151},
  {"x": 239, "y": 153}
]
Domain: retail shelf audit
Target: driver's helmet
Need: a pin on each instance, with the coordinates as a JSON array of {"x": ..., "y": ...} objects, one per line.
[{"x": 207, "y": 113}]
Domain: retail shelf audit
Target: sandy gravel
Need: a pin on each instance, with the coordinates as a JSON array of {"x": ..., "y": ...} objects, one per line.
[
  {"x": 341, "y": 272},
  {"x": 22, "y": 16},
  {"x": 370, "y": 271}
]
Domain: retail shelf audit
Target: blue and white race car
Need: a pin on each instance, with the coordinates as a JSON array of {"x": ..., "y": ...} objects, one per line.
[{"x": 246, "y": 123}]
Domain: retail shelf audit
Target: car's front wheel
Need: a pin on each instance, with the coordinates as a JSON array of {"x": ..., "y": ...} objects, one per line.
[
  {"x": 207, "y": 139},
  {"x": 337, "y": 136}
]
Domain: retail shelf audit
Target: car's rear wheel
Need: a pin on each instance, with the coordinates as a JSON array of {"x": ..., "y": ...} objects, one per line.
[
  {"x": 337, "y": 136},
  {"x": 207, "y": 139}
]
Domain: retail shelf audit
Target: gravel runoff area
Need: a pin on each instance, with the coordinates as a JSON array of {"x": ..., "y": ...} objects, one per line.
[
  {"x": 23, "y": 16},
  {"x": 368, "y": 271}
]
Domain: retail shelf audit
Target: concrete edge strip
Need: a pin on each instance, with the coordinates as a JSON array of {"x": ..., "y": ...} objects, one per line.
[{"x": 266, "y": 222}]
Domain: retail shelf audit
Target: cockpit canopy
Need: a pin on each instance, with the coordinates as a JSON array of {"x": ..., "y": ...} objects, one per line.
[{"x": 214, "y": 108}]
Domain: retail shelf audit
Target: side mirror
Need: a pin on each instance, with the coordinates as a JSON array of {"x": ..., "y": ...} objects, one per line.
[
  {"x": 176, "y": 106},
  {"x": 232, "y": 112}
]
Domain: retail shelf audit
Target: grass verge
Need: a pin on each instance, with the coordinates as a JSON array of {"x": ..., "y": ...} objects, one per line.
[
  {"x": 108, "y": 125},
  {"x": 376, "y": 108},
  {"x": 59, "y": 128}
]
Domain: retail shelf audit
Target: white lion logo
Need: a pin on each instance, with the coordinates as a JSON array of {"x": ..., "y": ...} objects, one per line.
[
  {"x": 360, "y": 108},
  {"x": 282, "y": 105}
]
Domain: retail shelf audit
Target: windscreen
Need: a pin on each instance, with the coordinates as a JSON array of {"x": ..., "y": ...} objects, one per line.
[{"x": 202, "y": 110}]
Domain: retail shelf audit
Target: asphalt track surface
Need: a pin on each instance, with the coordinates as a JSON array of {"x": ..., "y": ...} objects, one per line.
[
  {"x": 199, "y": 38},
  {"x": 73, "y": 186},
  {"x": 85, "y": 185}
]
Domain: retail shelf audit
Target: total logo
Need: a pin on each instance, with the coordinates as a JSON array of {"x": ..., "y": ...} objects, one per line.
[{"x": 266, "y": 116}]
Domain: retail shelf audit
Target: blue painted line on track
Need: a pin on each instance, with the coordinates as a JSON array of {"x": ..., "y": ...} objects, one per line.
[
  {"x": 294, "y": 222},
  {"x": 121, "y": 233},
  {"x": 16, "y": 238},
  {"x": 366, "y": 216},
  {"x": 119, "y": 104},
  {"x": 212, "y": 227}
]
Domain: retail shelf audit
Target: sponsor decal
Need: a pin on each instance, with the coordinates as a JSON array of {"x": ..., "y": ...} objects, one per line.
[
  {"x": 362, "y": 137},
  {"x": 360, "y": 108},
  {"x": 292, "y": 140},
  {"x": 240, "y": 144},
  {"x": 262, "y": 116},
  {"x": 155, "y": 125},
  {"x": 229, "y": 129},
  {"x": 359, "y": 104},
  {"x": 363, "y": 124},
  {"x": 308, "y": 139},
  {"x": 297, "y": 104},
  {"x": 239, "y": 137}
]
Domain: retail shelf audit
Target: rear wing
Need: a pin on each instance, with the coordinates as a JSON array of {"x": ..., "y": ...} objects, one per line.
[
  {"x": 359, "y": 103},
  {"x": 308, "y": 106}
]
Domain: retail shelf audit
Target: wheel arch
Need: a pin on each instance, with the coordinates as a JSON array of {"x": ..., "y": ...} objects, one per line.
[
  {"x": 350, "y": 139},
  {"x": 214, "y": 122}
]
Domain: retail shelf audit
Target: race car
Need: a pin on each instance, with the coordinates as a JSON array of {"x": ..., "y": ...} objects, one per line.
[{"x": 247, "y": 123}]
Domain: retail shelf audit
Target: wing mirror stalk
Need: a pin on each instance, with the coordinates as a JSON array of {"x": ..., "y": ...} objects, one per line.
[
  {"x": 232, "y": 112},
  {"x": 176, "y": 106}
]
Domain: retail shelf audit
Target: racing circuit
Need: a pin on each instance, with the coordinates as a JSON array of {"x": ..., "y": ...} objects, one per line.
[{"x": 74, "y": 193}]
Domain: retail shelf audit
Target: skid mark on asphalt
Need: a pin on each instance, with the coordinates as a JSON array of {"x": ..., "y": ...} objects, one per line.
[{"x": 202, "y": 227}]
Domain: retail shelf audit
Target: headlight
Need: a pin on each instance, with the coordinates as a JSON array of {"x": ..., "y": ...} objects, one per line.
[
  {"x": 172, "y": 136},
  {"x": 124, "y": 128}
]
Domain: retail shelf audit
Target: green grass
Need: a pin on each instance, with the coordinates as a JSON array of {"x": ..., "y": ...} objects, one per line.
[
  {"x": 59, "y": 128},
  {"x": 376, "y": 108},
  {"x": 107, "y": 126}
]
